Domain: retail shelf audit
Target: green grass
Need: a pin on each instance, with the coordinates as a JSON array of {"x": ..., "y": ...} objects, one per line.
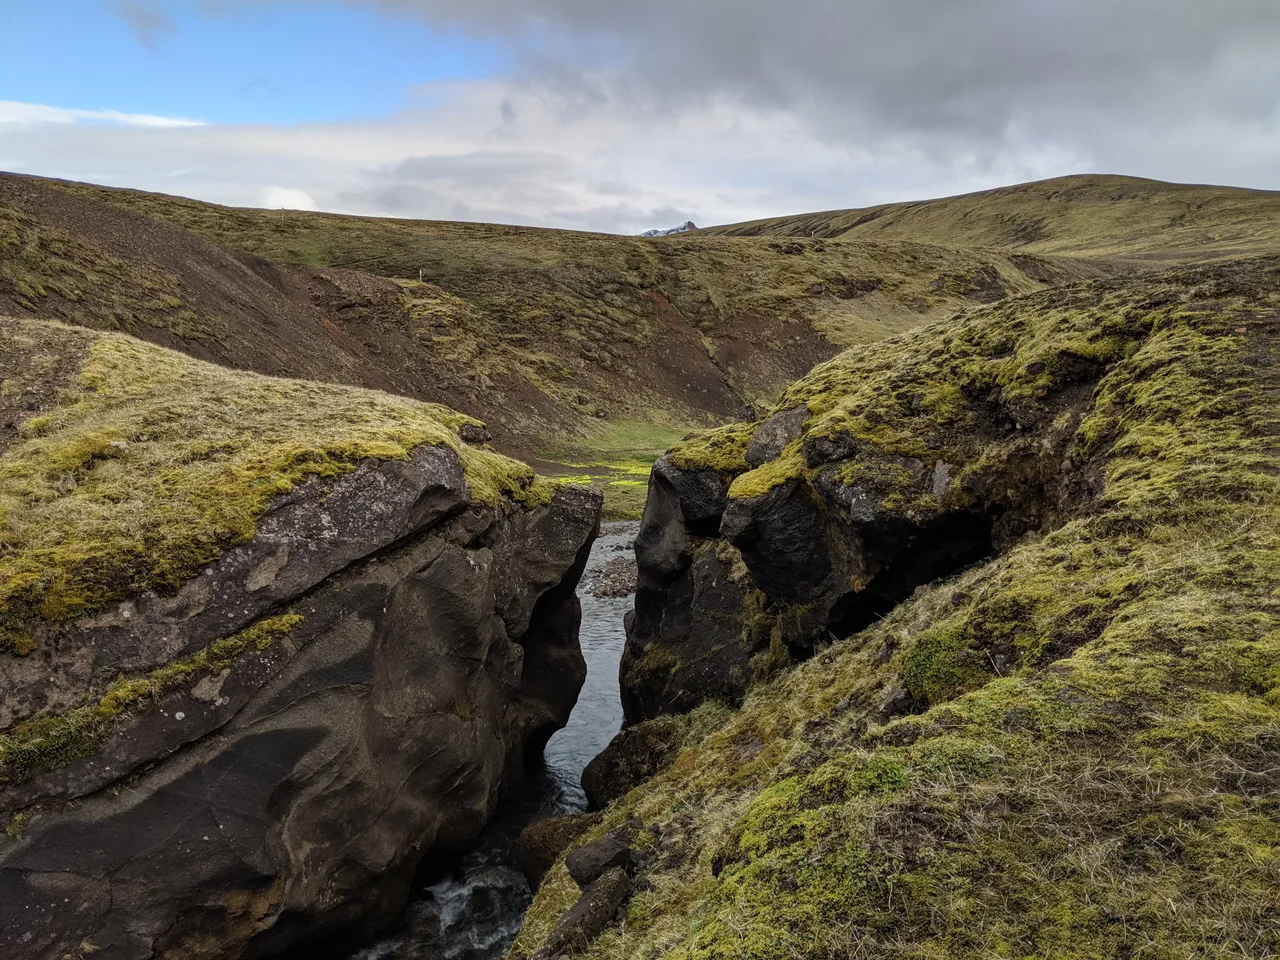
[
  {"x": 1090, "y": 770},
  {"x": 152, "y": 463},
  {"x": 616, "y": 459}
]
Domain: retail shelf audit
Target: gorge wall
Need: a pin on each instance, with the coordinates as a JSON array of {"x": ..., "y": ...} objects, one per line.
[{"x": 266, "y": 754}]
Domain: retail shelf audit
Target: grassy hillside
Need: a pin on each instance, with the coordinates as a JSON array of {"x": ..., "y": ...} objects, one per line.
[
  {"x": 1087, "y": 764},
  {"x": 567, "y": 345},
  {"x": 592, "y": 289},
  {"x": 1087, "y": 216},
  {"x": 586, "y": 353}
]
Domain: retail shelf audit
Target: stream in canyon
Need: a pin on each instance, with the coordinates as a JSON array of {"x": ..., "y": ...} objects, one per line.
[{"x": 475, "y": 913}]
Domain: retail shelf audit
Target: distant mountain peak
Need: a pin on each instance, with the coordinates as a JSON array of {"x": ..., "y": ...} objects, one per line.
[{"x": 687, "y": 227}]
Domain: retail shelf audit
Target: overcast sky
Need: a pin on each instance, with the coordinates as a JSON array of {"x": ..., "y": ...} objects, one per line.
[{"x": 621, "y": 115}]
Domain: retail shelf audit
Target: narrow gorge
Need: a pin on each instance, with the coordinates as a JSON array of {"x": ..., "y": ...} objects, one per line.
[{"x": 890, "y": 583}]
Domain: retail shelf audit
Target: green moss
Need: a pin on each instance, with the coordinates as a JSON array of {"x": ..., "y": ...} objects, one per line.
[
  {"x": 940, "y": 665},
  {"x": 154, "y": 463},
  {"x": 1090, "y": 770},
  {"x": 788, "y": 465},
  {"x": 723, "y": 449},
  {"x": 52, "y": 741}
]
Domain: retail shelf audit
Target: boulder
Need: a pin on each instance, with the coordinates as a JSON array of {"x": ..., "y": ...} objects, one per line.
[
  {"x": 588, "y": 863},
  {"x": 595, "y": 912},
  {"x": 540, "y": 844},
  {"x": 773, "y": 436},
  {"x": 632, "y": 757},
  {"x": 363, "y": 680}
]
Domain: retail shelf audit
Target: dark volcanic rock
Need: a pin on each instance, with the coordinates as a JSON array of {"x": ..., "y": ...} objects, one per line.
[
  {"x": 588, "y": 863},
  {"x": 772, "y": 436},
  {"x": 637, "y": 753},
  {"x": 296, "y": 792},
  {"x": 307, "y": 535},
  {"x": 782, "y": 536},
  {"x": 701, "y": 494},
  {"x": 722, "y": 602},
  {"x": 540, "y": 844},
  {"x": 690, "y": 637},
  {"x": 594, "y": 912}
]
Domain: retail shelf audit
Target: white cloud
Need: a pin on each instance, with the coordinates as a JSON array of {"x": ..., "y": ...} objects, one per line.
[
  {"x": 11, "y": 111},
  {"x": 513, "y": 151},
  {"x": 288, "y": 198}
]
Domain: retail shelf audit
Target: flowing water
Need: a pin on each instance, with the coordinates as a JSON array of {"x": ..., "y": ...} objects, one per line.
[{"x": 475, "y": 913}]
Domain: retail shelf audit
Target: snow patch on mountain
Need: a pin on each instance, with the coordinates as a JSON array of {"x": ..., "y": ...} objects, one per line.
[{"x": 687, "y": 227}]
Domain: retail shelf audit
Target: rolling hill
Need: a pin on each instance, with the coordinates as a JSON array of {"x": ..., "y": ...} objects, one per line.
[
  {"x": 1123, "y": 218},
  {"x": 586, "y": 353}
]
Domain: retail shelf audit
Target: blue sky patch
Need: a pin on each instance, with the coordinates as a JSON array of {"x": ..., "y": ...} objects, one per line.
[{"x": 279, "y": 63}]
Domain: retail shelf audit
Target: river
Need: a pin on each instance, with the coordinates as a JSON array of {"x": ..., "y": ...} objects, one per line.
[{"x": 475, "y": 913}]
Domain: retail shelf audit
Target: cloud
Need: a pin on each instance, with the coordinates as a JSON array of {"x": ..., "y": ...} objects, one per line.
[
  {"x": 556, "y": 164},
  {"x": 949, "y": 78},
  {"x": 968, "y": 67},
  {"x": 621, "y": 117},
  {"x": 287, "y": 198},
  {"x": 149, "y": 24},
  {"x": 13, "y": 112}
]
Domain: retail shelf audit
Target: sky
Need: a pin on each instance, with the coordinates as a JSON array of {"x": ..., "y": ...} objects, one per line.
[{"x": 624, "y": 115}]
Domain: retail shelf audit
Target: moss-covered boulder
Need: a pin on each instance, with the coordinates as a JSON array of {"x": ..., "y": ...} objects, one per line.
[
  {"x": 1066, "y": 748},
  {"x": 269, "y": 646}
]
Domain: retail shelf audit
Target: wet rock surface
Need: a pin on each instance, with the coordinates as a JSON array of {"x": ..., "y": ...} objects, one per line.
[{"x": 438, "y": 647}]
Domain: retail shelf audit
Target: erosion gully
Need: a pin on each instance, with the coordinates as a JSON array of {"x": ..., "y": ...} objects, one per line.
[{"x": 475, "y": 913}]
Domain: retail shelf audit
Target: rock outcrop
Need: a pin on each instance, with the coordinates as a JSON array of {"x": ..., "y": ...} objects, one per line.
[
  {"x": 268, "y": 755},
  {"x": 763, "y": 542}
]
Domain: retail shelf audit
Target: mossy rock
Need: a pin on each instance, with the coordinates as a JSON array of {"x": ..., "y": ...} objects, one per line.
[{"x": 151, "y": 463}]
